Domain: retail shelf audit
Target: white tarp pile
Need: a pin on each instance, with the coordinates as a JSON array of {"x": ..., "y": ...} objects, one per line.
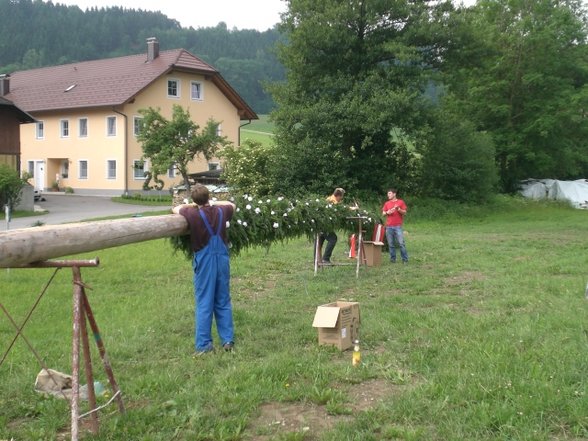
[{"x": 575, "y": 192}]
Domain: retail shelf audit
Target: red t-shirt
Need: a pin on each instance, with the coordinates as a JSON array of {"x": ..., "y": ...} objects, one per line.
[
  {"x": 395, "y": 219},
  {"x": 199, "y": 236}
]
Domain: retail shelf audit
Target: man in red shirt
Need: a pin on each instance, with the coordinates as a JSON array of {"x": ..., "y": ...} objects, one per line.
[{"x": 394, "y": 209}]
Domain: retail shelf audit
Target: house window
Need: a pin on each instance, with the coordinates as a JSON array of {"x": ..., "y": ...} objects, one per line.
[
  {"x": 65, "y": 169},
  {"x": 213, "y": 166},
  {"x": 196, "y": 91},
  {"x": 83, "y": 127},
  {"x": 65, "y": 128},
  {"x": 111, "y": 169},
  {"x": 219, "y": 130},
  {"x": 137, "y": 125},
  {"x": 139, "y": 169},
  {"x": 111, "y": 126},
  {"x": 31, "y": 168},
  {"x": 173, "y": 88},
  {"x": 171, "y": 171},
  {"x": 83, "y": 169},
  {"x": 40, "y": 130}
]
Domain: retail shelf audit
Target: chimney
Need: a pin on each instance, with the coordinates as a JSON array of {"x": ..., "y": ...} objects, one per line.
[
  {"x": 152, "y": 48},
  {"x": 4, "y": 84}
]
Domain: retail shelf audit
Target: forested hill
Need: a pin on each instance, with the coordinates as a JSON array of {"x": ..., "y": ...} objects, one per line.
[{"x": 34, "y": 33}]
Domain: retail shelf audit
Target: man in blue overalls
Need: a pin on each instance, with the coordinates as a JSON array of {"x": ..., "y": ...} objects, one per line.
[{"x": 208, "y": 237}]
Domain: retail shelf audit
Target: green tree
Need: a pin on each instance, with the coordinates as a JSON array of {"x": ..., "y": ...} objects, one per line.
[
  {"x": 459, "y": 162},
  {"x": 10, "y": 187},
  {"x": 356, "y": 73},
  {"x": 176, "y": 142},
  {"x": 247, "y": 168},
  {"x": 520, "y": 69}
]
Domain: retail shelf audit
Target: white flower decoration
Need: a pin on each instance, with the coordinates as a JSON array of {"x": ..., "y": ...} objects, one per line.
[
  {"x": 257, "y": 210},
  {"x": 239, "y": 221},
  {"x": 276, "y": 225},
  {"x": 248, "y": 206},
  {"x": 244, "y": 224}
]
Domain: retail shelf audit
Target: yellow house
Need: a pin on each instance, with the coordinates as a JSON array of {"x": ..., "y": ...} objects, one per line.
[{"x": 88, "y": 116}]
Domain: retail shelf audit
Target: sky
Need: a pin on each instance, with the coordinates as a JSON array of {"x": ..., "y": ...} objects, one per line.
[{"x": 240, "y": 14}]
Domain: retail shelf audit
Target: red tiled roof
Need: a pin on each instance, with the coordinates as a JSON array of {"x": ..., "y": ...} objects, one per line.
[{"x": 107, "y": 82}]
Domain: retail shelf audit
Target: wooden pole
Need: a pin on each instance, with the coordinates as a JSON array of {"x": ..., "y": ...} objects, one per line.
[{"x": 28, "y": 245}]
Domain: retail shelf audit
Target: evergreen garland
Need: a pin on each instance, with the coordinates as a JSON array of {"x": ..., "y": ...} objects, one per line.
[{"x": 263, "y": 221}]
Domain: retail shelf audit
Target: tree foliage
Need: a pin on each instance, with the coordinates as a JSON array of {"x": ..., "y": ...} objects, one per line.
[
  {"x": 356, "y": 74},
  {"x": 459, "y": 161},
  {"x": 176, "y": 142},
  {"x": 519, "y": 68},
  {"x": 10, "y": 187},
  {"x": 247, "y": 168}
]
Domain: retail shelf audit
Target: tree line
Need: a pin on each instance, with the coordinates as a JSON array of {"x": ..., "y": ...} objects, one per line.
[
  {"x": 440, "y": 100},
  {"x": 35, "y": 33}
]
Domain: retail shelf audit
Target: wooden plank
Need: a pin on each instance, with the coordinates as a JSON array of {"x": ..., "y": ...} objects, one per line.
[{"x": 28, "y": 245}]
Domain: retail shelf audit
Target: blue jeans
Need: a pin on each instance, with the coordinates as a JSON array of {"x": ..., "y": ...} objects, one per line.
[{"x": 395, "y": 234}]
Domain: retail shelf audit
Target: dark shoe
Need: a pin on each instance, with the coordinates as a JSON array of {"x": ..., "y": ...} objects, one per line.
[
  {"x": 201, "y": 353},
  {"x": 229, "y": 346},
  {"x": 392, "y": 261},
  {"x": 326, "y": 262}
]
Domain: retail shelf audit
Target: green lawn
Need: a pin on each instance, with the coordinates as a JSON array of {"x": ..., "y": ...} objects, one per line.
[
  {"x": 260, "y": 130},
  {"x": 483, "y": 336}
]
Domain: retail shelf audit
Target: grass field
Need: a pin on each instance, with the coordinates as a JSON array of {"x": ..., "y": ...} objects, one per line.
[
  {"x": 260, "y": 130},
  {"x": 483, "y": 336}
]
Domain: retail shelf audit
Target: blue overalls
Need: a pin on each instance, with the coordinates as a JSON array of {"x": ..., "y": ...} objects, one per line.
[{"x": 211, "y": 282}]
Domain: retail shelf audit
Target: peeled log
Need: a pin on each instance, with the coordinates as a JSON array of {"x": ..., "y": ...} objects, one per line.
[{"x": 35, "y": 244}]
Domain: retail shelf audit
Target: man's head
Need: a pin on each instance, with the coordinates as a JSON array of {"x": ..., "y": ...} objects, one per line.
[
  {"x": 200, "y": 194},
  {"x": 339, "y": 193},
  {"x": 392, "y": 193}
]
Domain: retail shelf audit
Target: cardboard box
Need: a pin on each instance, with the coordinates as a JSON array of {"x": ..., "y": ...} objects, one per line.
[
  {"x": 373, "y": 252},
  {"x": 337, "y": 323}
]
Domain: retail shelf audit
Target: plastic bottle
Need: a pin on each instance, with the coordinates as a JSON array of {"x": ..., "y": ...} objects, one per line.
[{"x": 356, "y": 358}]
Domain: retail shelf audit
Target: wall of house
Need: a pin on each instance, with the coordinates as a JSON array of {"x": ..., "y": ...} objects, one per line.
[
  {"x": 214, "y": 104},
  {"x": 9, "y": 138},
  {"x": 62, "y": 155}
]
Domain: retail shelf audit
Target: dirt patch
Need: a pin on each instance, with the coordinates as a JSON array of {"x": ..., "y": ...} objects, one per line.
[{"x": 277, "y": 419}]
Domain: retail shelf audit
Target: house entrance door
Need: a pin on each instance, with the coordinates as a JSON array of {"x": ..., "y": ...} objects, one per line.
[{"x": 40, "y": 175}]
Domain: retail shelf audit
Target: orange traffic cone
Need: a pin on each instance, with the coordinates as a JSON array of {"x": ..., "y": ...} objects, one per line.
[{"x": 352, "y": 253}]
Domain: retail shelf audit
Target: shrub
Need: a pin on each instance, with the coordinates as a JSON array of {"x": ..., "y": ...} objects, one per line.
[{"x": 10, "y": 186}]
